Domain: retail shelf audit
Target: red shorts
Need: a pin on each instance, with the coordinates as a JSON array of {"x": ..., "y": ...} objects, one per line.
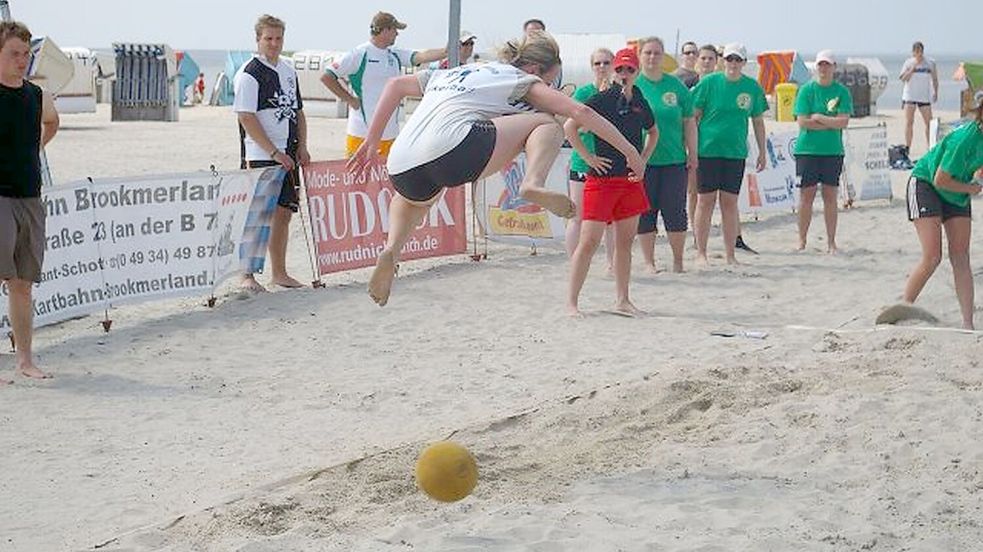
[{"x": 611, "y": 198}]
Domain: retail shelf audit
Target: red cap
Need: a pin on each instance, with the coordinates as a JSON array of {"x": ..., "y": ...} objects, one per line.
[{"x": 626, "y": 57}]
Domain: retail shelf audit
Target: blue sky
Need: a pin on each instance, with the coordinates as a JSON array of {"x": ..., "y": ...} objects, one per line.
[{"x": 848, "y": 26}]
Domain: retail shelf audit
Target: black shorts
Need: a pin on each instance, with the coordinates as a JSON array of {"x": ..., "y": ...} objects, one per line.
[
  {"x": 290, "y": 190},
  {"x": 717, "y": 173},
  {"x": 577, "y": 176},
  {"x": 463, "y": 164},
  {"x": 925, "y": 202},
  {"x": 818, "y": 169},
  {"x": 916, "y": 104},
  {"x": 665, "y": 187}
]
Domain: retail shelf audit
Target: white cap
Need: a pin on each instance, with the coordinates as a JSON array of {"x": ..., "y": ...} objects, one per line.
[
  {"x": 735, "y": 49},
  {"x": 827, "y": 56},
  {"x": 466, "y": 36},
  {"x": 977, "y": 99}
]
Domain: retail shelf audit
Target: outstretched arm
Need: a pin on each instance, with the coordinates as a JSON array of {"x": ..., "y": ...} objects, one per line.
[
  {"x": 396, "y": 89},
  {"x": 544, "y": 98}
]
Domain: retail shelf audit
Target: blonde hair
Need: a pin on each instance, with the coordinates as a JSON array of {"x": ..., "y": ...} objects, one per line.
[
  {"x": 643, "y": 41},
  {"x": 604, "y": 51},
  {"x": 13, "y": 29},
  {"x": 267, "y": 21},
  {"x": 536, "y": 48}
]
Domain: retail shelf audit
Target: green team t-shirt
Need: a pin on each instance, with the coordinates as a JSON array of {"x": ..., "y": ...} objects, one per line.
[
  {"x": 577, "y": 163},
  {"x": 829, "y": 100},
  {"x": 671, "y": 102},
  {"x": 960, "y": 154},
  {"x": 727, "y": 106}
]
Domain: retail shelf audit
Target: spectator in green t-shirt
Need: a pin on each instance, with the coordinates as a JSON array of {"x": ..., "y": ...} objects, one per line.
[
  {"x": 674, "y": 156},
  {"x": 600, "y": 62},
  {"x": 939, "y": 191},
  {"x": 822, "y": 109},
  {"x": 723, "y": 102}
]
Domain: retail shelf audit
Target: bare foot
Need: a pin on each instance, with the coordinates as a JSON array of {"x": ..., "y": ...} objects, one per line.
[
  {"x": 801, "y": 246},
  {"x": 677, "y": 266},
  {"x": 574, "y": 312},
  {"x": 381, "y": 282},
  {"x": 286, "y": 281},
  {"x": 651, "y": 269},
  {"x": 626, "y": 308},
  {"x": 29, "y": 370},
  {"x": 5, "y": 382},
  {"x": 250, "y": 284},
  {"x": 702, "y": 261},
  {"x": 733, "y": 261},
  {"x": 832, "y": 249},
  {"x": 554, "y": 202}
]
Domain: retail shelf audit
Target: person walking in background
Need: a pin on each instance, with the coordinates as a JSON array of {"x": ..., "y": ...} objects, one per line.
[
  {"x": 367, "y": 67},
  {"x": 28, "y": 121},
  {"x": 939, "y": 191},
  {"x": 822, "y": 108},
  {"x": 921, "y": 90},
  {"x": 600, "y": 62},
  {"x": 272, "y": 131},
  {"x": 686, "y": 72},
  {"x": 723, "y": 104},
  {"x": 473, "y": 121},
  {"x": 671, "y": 160},
  {"x": 611, "y": 196}
]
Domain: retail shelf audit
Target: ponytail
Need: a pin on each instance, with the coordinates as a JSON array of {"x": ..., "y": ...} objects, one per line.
[{"x": 536, "y": 48}]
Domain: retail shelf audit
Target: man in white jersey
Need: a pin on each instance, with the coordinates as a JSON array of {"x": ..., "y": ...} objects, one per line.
[
  {"x": 921, "y": 90},
  {"x": 367, "y": 67}
]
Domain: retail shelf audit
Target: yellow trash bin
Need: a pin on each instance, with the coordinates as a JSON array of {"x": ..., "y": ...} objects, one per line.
[{"x": 785, "y": 101}]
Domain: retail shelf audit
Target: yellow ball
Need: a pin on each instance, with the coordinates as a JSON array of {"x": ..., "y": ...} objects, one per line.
[{"x": 446, "y": 471}]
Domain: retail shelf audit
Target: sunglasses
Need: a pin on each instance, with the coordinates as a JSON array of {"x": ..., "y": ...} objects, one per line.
[
  {"x": 625, "y": 69},
  {"x": 734, "y": 59},
  {"x": 601, "y": 63},
  {"x": 468, "y": 43},
  {"x": 689, "y": 53}
]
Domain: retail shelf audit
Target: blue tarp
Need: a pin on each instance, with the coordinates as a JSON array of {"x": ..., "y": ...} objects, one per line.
[
  {"x": 233, "y": 61},
  {"x": 187, "y": 71}
]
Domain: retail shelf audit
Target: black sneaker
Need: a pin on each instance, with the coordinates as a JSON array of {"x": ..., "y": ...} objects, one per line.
[{"x": 741, "y": 245}]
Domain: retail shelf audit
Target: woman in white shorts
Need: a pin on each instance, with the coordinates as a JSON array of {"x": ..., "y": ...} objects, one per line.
[{"x": 473, "y": 121}]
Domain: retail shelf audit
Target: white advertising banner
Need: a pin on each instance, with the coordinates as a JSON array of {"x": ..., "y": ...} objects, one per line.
[
  {"x": 866, "y": 167},
  {"x": 506, "y": 217},
  {"x": 775, "y": 187},
  {"x": 124, "y": 240}
]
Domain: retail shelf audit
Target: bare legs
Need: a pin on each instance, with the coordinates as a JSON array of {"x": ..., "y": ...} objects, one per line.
[
  {"x": 957, "y": 232},
  {"x": 573, "y": 226},
  {"x": 807, "y": 196},
  {"x": 909, "y": 123},
  {"x": 537, "y": 133},
  {"x": 677, "y": 243},
  {"x": 21, "y": 316},
  {"x": 926, "y": 111},
  {"x": 590, "y": 238},
  {"x": 279, "y": 233},
  {"x": 730, "y": 223}
]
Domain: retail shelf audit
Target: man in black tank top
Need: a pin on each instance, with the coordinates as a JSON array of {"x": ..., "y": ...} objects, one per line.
[{"x": 28, "y": 121}]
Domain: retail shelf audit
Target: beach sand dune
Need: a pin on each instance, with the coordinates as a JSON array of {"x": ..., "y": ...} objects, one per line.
[{"x": 292, "y": 420}]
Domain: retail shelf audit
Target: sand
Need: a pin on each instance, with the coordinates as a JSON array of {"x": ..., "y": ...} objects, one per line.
[{"x": 291, "y": 420}]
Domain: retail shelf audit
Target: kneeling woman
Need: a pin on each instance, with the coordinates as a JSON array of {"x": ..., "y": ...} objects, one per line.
[
  {"x": 939, "y": 193},
  {"x": 613, "y": 192},
  {"x": 472, "y": 122}
]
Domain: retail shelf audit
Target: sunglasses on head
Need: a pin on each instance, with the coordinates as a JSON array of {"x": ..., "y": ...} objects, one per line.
[
  {"x": 625, "y": 69},
  {"x": 601, "y": 63},
  {"x": 468, "y": 43},
  {"x": 733, "y": 59}
]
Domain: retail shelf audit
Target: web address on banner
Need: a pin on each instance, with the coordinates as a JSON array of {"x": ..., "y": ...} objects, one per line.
[{"x": 371, "y": 251}]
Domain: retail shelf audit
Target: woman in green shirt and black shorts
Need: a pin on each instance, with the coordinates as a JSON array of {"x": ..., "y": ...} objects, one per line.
[
  {"x": 822, "y": 108},
  {"x": 939, "y": 191}
]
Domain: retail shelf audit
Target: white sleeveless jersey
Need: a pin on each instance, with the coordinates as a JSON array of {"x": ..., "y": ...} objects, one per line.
[{"x": 452, "y": 100}]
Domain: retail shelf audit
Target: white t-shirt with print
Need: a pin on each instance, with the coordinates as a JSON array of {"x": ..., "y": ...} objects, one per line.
[
  {"x": 367, "y": 68},
  {"x": 452, "y": 100},
  {"x": 919, "y": 87}
]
